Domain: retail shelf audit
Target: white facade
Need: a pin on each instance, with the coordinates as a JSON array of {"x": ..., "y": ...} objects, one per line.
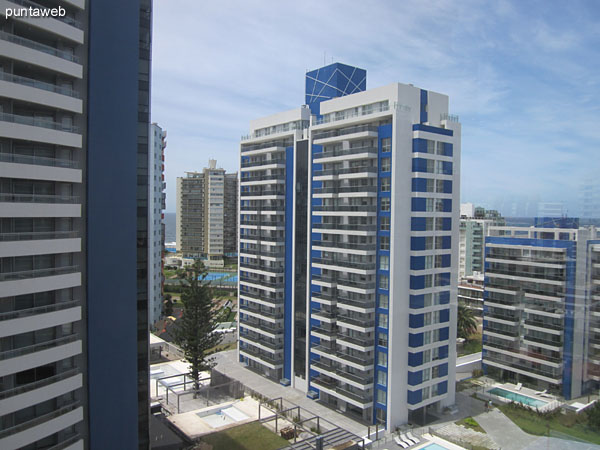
[
  {"x": 382, "y": 237},
  {"x": 156, "y": 225},
  {"x": 42, "y": 196}
]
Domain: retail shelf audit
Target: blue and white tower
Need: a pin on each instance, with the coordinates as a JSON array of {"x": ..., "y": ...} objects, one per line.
[{"x": 378, "y": 313}]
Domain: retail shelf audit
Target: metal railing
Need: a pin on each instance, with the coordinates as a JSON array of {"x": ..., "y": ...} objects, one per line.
[
  {"x": 363, "y": 323},
  {"x": 348, "y": 151},
  {"x": 345, "y": 131},
  {"x": 361, "y": 169},
  {"x": 37, "y": 160},
  {"x": 263, "y": 162},
  {"x": 38, "y": 347},
  {"x": 36, "y": 122},
  {"x": 346, "y": 208},
  {"x": 341, "y": 190},
  {"x": 38, "y": 198},
  {"x": 263, "y": 178},
  {"x": 348, "y": 245},
  {"x": 335, "y": 226},
  {"x": 38, "y": 273},
  {"x": 278, "y": 143},
  {"x": 37, "y": 46},
  {"x": 34, "y": 236},
  {"x": 38, "y": 310},
  {"x": 39, "y": 84},
  {"x": 38, "y": 384},
  {"x": 334, "y": 117},
  {"x": 40, "y": 419}
]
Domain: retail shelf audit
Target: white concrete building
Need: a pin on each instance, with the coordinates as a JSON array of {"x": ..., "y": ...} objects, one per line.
[
  {"x": 369, "y": 329},
  {"x": 156, "y": 223}
]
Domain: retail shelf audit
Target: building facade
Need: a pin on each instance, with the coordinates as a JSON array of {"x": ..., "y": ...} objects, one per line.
[
  {"x": 369, "y": 327},
  {"x": 66, "y": 209},
  {"x": 207, "y": 214},
  {"x": 474, "y": 224},
  {"x": 540, "y": 321},
  {"x": 156, "y": 223}
]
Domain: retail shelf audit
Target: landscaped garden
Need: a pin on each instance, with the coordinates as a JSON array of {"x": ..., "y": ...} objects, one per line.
[
  {"x": 582, "y": 426},
  {"x": 246, "y": 437}
]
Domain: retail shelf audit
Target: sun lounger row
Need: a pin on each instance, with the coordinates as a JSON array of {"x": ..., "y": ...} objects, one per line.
[{"x": 406, "y": 440}]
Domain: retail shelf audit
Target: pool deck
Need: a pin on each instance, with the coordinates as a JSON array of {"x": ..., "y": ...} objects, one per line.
[
  {"x": 195, "y": 426},
  {"x": 551, "y": 402}
]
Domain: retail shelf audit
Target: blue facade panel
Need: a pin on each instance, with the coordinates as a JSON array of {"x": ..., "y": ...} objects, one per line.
[
  {"x": 424, "y": 98},
  {"x": 432, "y": 129},
  {"x": 334, "y": 80},
  {"x": 111, "y": 177}
]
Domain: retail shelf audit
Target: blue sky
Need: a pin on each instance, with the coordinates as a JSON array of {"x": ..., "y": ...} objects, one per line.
[{"x": 522, "y": 76}]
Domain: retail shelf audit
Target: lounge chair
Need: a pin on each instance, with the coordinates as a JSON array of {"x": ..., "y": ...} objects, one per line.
[
  {"x": 519, "y": 386},
  {"x": 541, "y": 392},
  {"x": 406, "y": 439},
  {"x": 412, "y": 437},
  {"x": 400, "y": 442}
]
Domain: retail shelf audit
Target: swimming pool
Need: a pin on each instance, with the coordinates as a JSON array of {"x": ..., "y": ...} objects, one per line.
[
  {"x": 433, "y": 446},
  {"x": 224, "y": 416},
  {"x": 229, "y": 276},
  {"x": 515, "y": 397}
]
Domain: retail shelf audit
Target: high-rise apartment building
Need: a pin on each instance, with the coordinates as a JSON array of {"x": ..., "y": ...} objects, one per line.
[
  {"x": 474, "y": 223},
  {"x": 541, "y": 325},
  {"x": 207, "y": 214},
  {"x": 74, "y": 102},
  {"x": 156, "y": 223},
  {"x": 348, "y": 229}
]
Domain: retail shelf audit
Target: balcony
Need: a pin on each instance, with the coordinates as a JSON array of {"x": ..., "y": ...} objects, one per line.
[
  {"x": 281, "y": 144},
  {"x": 262, "y": 298},
  {"x": 38, "y": 198},
  {"x": 364, "y": 323},
  {"x": 274, "y": 315},
  {"x": 18, "y": 314},
  {"x": 261, "y": 326},
  {"x": 261, "y": 282},
  {"x": 8, "y": 354},
  {"x": 358, "y": 360},
  {"x": 30, "y": 82},
  {"x": 362, "y": 398},
  {"x": 265, "y": 357},
  {"x": 38, "y": 161},
  {"x": 371, "y": 151},
  {"x": 349, "y": 227},
  {"x": 276, "y": 177},
  {"x": 346, "y": 303},
  {"x": 345, "y": 131},
  {"x": 549, "y": 342},
  {"x": 276, "y": 252},
  {"x": 36, "y": 122},
  {"x": 261, "y": 267},
  {"x": 266, "y": 162},
  {"x": 365, "y": 343},
  {"x": 38, "y": 384},
  {"x": 345, "y": 263},
  {"x": 344, "y": 190},
  {"x": 346, "y": 208},
  {"x": 41, "y": 235},
  {"x": 349, "y": 170},
  {"x": 263, "y": 192},
  {"x": 543, "y": 324},
  {"x": 345, "y": 245},
  {"x": 554, "y": 375},
  {"x": 38, "y": 273},
  {"x": 39, "y": 47}
]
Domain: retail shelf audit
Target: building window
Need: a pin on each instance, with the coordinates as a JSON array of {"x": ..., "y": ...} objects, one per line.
[
  {"x": 426, "y": 356},
  {"x": 386, "y": 145},
  {"x": 382, "y": 359},
  {"x": 430, "y": 146},
  {"x": 382, "y": 378},
  {"x": 386, "y": 164},
  {"x": 427, "y": 319},
  {"x": 381, "y": 397},
  {"x": 384, "y": 301},
  {"x": 384, "y": 282},
  {"x": 385, "y": 204},
  {"x": 385, "y": 224},
  {"x": 386, "y": 184},
  {"x": 382, "y": 339},
  {"x": 384, "y": 262},
  {"x": 425, "y": 392},
  {"x": 427, "y": 337},
  {"x": 426, "y": 375},
  {"x": 384, "y": 243},
  {"x": 383, "y": 320},
  {"x": 435, "y": 372},
  {"x": 429, "y": 262}
]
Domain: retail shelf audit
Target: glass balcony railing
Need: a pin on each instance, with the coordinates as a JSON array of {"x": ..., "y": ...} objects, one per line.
[
  {"x": 39, "y": 84},
  {"x": 38, "y": 273},
  {"x": 39, "y": 47},
  {"x": 38, "y": 310},
  {"x": 38, "y": 160},
  {"x": 37, "y": 122},
  {"x": 38, "y": 198},
  {"x": 40, "y": 235}
]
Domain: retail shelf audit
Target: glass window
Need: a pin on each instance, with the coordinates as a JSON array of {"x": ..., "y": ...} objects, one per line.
[
  {"x": 382, "y": 339},
  {"x": 386, "y": 164},
  {"x": 384, "y": 282},
  {"x": 429, "y": 262},
  {"x": 425, "y": 395},
  {"x": 385, "y": 204},
  {"x": 384, "y": 243},
  {"x": 386, "y": 184},
  {"x": 426, "y": 356},
  {"x": 384, "y": 301},
  {"x": 383, "y": 320},
  {"x": 426, "y": 375},
  {"x": 382, "y": 359},
  {"x": 430, "y": 146},
  {"x": 384, "y": 262},
  {"x": 440, "y": 148},
  {"x": 426, "y": 337},
  {"x": 386, "y": 145},
  {"x": 435, "y": 372},
  {"x": 427, "y": 300},
  {"x": 385, "y": 224},
  {"x": 382, "y": 378},
  {"x": 381, "y": 396},
  {"x": 427, "y": 319}
]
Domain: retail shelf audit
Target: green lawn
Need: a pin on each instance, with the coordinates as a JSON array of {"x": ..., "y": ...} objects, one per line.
[
  {"x": 469, "y": 422},
  {"x": 571, "y": 424},
  {"x": 223, "y": 348},
  {"x": 472, "y": 345},
  {"x": 246, "y": 437}
]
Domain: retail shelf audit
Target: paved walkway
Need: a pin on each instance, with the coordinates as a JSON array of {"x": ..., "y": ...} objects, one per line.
[
  {"x": 503, "y": 431},
  {"x": 227, "y": 363}
]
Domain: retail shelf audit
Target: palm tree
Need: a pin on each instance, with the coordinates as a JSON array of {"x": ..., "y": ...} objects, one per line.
[{"x": 466, "y": 324}]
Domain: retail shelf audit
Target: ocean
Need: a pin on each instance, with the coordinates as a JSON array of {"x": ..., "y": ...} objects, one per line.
[{"x": 170, "y": 227}]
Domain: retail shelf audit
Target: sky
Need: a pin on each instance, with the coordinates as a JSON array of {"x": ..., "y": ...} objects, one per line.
[{"x": 522, "y": 76}]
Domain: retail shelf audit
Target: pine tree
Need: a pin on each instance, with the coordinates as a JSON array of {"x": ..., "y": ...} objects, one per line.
[{"x": 195, "y": 329}]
